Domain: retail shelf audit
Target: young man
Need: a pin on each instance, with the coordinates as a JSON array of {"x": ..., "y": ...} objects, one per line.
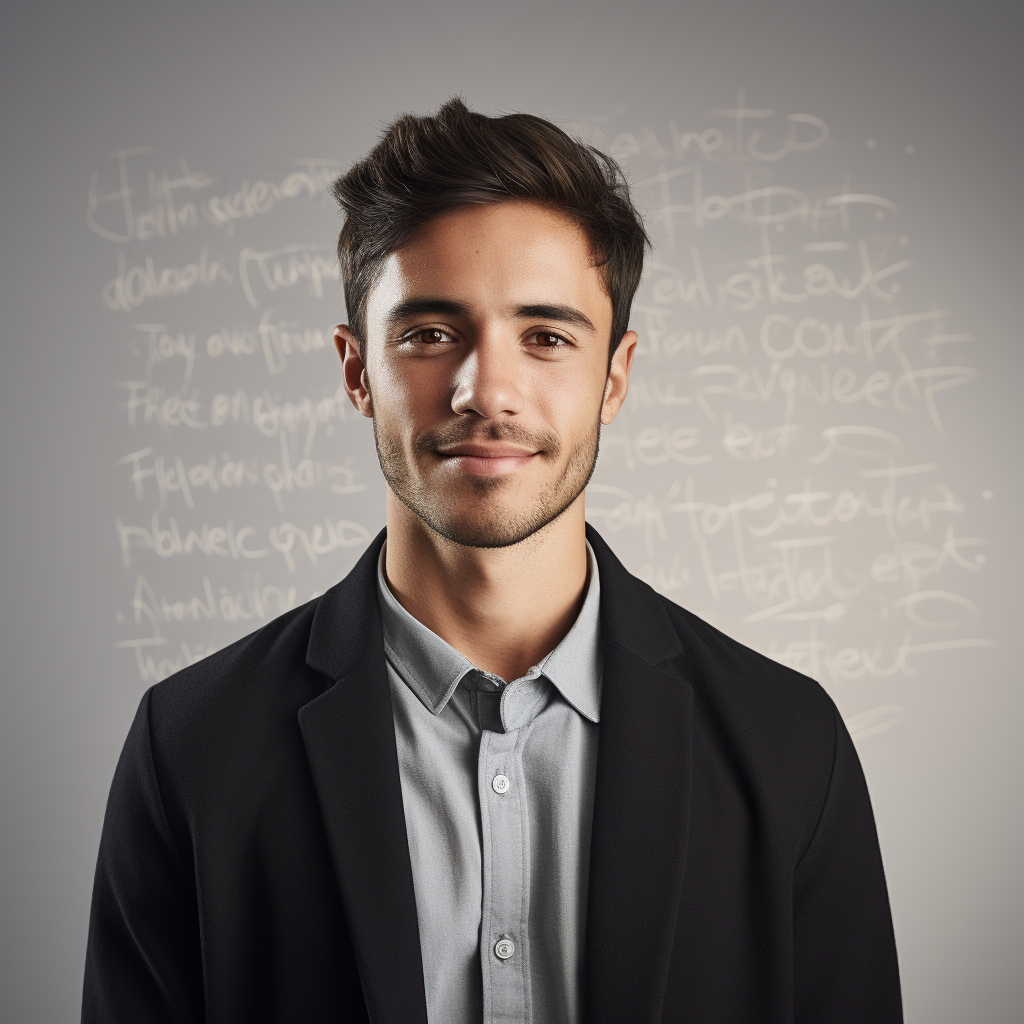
[{"x": 489, "y": 776}]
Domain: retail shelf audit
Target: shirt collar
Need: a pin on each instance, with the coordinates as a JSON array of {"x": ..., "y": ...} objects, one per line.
[
  {"x": 433, "y": 669},
  {"x": 574, "y": 666}
]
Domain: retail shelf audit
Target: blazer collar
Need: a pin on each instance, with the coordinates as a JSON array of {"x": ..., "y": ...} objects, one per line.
[
  {"x": 346, "y": 617},
  {"x": 641, "y": 822},
  {"x": 349, "y": 736},
  {"x": 632, "y": 614}
]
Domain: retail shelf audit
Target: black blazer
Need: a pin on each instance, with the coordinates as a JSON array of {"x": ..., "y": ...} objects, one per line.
[{"x": 254, "y": 863}]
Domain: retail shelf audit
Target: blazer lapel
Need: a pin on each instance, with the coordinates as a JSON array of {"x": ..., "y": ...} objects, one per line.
[
  {"x": 641, "y": 802},
  {"x": 349, "y": 736}
]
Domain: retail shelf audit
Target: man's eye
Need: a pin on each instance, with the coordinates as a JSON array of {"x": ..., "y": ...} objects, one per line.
[
  {"x": 430, "y": 336},
  {"x": 545, "y": 339}
]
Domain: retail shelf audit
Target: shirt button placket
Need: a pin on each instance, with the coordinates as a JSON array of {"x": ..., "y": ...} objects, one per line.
[{"x": 505, "y": 991}]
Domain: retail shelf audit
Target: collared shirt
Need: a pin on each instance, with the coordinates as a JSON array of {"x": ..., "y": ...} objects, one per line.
[{"x": 498, "y": 790}]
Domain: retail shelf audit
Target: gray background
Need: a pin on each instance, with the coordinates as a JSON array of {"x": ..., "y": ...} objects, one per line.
[{"x": 897, "y": 594}]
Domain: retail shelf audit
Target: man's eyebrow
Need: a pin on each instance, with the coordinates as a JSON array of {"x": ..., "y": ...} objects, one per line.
[
  {"x": 407, "y": 309},
  {"x": 563, "y": 314}
]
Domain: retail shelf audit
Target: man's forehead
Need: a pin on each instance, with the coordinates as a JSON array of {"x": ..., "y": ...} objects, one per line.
[{"x": 508, "y": 255}]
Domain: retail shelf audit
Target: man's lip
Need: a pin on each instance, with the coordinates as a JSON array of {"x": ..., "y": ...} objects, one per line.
[{"x": 487, "y": 451}]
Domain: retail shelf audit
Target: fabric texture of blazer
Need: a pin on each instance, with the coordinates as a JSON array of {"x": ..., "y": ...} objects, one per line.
[{"x": 254, "y": 865}]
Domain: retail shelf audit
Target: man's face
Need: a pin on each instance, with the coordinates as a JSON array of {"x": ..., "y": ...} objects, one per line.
[{"x": 487, "y": 371}]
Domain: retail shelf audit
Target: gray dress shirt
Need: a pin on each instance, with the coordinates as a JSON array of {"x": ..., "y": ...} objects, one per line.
[{"x": 498, "y": 790}]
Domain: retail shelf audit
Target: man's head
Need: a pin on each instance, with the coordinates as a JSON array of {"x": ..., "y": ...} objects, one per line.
[
  {"x": 425, "y": 166},
  {"x": 489, "y": 265}
]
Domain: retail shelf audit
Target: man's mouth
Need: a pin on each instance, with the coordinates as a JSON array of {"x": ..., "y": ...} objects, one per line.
[{"x": 486, "y": 458}]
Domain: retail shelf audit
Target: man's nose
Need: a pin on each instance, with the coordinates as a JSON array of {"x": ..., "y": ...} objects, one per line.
[{"x": 487, "y": 381}]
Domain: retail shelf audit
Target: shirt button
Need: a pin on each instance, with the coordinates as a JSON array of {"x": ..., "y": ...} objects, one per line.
[
  {"x": 504, "y": 948},
  {"x": 500, "y": 785}
]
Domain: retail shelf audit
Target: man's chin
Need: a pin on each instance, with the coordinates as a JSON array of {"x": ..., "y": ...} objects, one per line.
[
  {"x": 492, "y": 523},
  {"x": 486, "y": 532}
]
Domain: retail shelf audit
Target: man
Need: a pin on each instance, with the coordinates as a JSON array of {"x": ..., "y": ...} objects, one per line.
[{"x": 489, "y": 776}]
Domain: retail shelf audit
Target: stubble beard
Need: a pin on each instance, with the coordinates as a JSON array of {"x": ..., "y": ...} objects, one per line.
[{"x": 494, "y": 525}]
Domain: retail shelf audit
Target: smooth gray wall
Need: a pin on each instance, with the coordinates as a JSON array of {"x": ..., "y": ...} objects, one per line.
[{"x": 895, "y": 585}]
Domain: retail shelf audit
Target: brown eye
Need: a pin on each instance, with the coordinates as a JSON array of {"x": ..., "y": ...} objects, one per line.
[
  {"x": 430, "y": 336},
  {"x": 548, "y": 340}
]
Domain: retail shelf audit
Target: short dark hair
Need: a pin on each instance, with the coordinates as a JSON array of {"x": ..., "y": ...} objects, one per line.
[{"x": 423, "y": 167}]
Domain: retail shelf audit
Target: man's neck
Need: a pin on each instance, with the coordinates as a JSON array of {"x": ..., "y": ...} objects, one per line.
[{"x": 503, "y": 608}]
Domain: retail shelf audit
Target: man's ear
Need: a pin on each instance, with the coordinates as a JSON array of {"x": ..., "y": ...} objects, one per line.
[
  {"x": 353, "y": 370},
  {"x": 618, "y": 377}
]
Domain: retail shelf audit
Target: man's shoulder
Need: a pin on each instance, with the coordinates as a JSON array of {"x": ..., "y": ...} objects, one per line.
[
  {"x": 740, "y": 686},
  {"x": 751, "y": 702},
  {"x": 726, "y": 660},
  {"x": 275, "y": 670},
  {"x": 264, "y": 674}
]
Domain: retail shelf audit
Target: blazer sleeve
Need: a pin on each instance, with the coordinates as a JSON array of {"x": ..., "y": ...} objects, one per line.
[
  {"x": 143, "y": 956},
  {"x": 845, "y": 967}
]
